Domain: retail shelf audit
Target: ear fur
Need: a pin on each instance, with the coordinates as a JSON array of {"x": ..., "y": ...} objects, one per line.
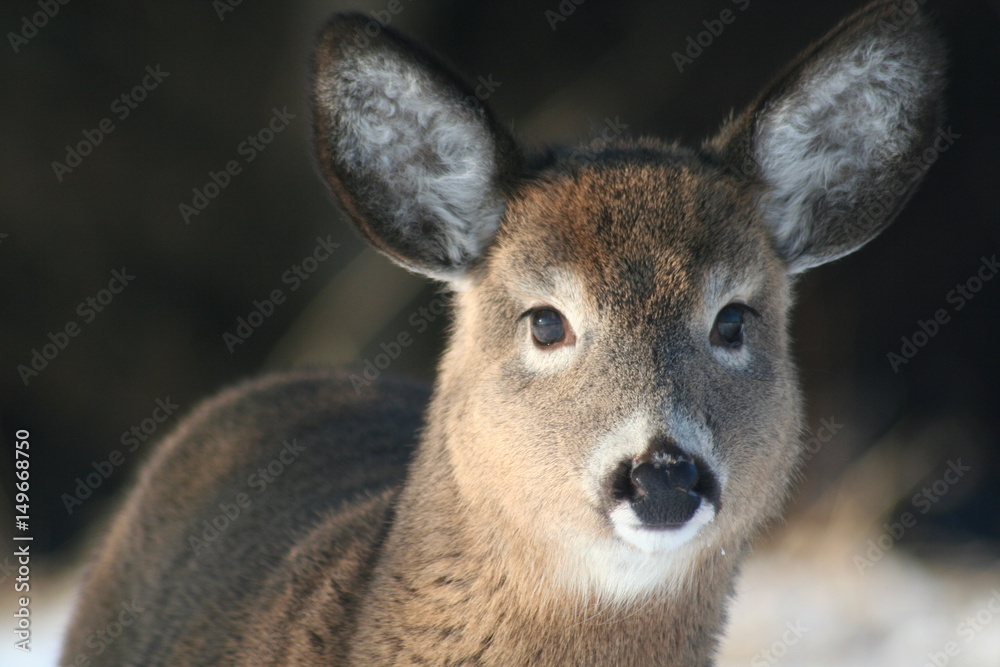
[
  {"x": 416, "y": 160},
  {"x": 838, "y": 140}
]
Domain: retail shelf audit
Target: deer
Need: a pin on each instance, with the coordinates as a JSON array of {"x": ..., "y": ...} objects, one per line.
[{"x": 616, "y": 414}]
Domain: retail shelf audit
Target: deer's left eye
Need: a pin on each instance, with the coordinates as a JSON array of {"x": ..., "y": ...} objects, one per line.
[
  {"x": 729, "y": 325},
  {"x": 547, "y": 327}
]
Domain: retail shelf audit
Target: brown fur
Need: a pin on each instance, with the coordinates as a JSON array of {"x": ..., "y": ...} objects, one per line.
[{"x": 500, "y": 547}]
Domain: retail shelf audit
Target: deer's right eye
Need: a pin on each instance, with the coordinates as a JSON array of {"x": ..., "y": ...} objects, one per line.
[{"x": 548, "y": 327}]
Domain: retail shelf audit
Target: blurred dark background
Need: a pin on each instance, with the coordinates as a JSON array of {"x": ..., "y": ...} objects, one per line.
[{"x": 224, "y": 70}]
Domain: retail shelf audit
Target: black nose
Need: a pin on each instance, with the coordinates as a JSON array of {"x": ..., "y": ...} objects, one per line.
[{"x": 663, "y": 493}]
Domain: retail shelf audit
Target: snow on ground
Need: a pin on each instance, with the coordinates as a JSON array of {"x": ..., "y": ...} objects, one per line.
[{"x": 818, "y": 610}]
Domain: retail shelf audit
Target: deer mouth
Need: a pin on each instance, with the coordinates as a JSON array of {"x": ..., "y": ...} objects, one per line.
[{"x": 666, "y": 491}]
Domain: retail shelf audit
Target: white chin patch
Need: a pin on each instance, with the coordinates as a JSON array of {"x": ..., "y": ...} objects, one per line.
[{"x": 657, "y": 540}]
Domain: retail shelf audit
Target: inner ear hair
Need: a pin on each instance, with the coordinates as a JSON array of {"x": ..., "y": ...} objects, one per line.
[
  {"x": 837, "y": 141},
  {"x": 415, "y": 158}
]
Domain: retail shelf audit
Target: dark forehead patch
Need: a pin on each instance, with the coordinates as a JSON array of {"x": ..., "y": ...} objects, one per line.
[
  {"x": 641, "y": 226},
  {"x": 639, "y": 275}
]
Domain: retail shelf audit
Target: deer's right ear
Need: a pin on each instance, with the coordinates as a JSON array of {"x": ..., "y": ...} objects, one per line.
[{"x": 414, "y": 157}]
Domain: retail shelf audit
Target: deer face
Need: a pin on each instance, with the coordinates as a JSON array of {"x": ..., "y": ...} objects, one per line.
[{"x": 622, "y": 348}]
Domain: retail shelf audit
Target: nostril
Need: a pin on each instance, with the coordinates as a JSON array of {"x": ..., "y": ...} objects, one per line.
[
  {"x": 679, "y": 475},
  {"x": 647, "y": 479},
  {"x": 683, "y": 475}
]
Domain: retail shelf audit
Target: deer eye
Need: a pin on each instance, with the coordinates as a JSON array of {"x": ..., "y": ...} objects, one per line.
[
  {"x": 547, "y": 327},
  {"x": 728, "y": 328}
]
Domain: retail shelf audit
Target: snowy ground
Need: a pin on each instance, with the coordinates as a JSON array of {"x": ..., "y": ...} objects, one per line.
[{"x": 817, "y": 610}]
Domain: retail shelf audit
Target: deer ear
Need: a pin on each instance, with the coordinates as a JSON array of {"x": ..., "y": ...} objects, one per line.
[
  {"x": 413, "y": 156},
  {"x": 838, "y": 142}
]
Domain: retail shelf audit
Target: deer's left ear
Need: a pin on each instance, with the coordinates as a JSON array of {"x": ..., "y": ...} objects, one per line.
[
  {"x": 417, "y": 161},
  {"x": 838, "y": 140}
]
